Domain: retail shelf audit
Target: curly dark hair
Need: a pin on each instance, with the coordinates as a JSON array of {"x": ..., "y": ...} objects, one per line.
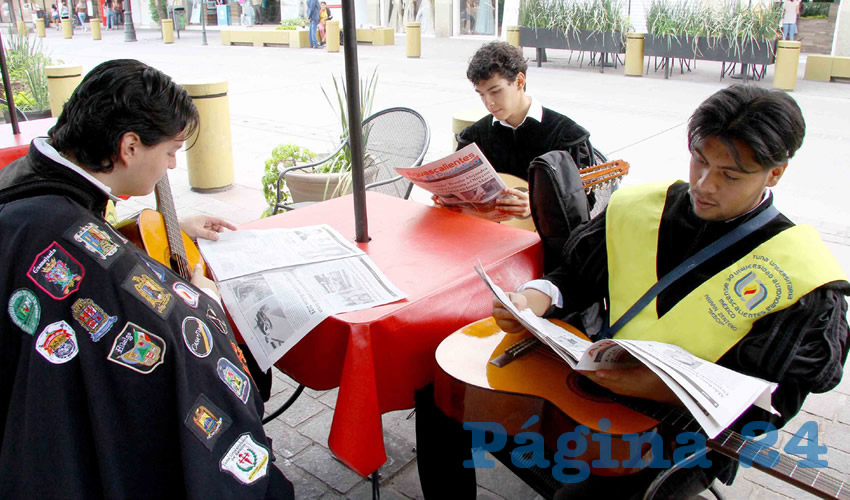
[
  {"x": 116, "y": 97},
  {"x": 496, "y": 58},
  {"x": 768, "y": 121}
]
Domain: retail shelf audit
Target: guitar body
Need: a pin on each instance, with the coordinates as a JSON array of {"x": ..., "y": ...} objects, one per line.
[
  {"x": 469, "y": 388},
  {"x": 147, "y": 231}
]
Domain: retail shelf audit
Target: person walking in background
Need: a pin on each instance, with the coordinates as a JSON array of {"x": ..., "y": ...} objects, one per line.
[
  {"x": 110, "y": 14},
  {"x": 313, "y": 16},
  {"x": 324, "y": 15},
  {"x": 81, "y": 13},
  {"x": 790, "y": 11}
]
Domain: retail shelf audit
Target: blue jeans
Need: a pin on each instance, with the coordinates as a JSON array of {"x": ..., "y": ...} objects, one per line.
[
  {"x": 110, "y": 19},
  {"x": 789, "y": 30},
  {"x": 314, "y": 24}
]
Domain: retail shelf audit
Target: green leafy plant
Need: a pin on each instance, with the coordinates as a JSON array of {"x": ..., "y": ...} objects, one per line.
[
  {"x": 599, "y": 16},
  {"x": 27, "y": 62},
  {"x": 290, "y": 24},
  {"x": 283, "y": 156},
  {"x": 814, "y": 10},
  {"x": 158, "y": 10}
]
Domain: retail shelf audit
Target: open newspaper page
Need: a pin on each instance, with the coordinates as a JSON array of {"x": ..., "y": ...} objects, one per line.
[
  {"x": 464, "y": 179},
  {"x": 714, "y": 395},
  {"x": 276, "y": 307},
  {"x": 239, "y": 253}
]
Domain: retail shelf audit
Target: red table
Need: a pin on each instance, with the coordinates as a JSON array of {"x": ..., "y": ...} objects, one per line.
[
  {"x": 379, "y": 356},
  {"x": 13, "y": 146}
]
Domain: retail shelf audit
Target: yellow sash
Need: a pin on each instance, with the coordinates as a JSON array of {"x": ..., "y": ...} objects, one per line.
[{"x": 719, "y": 312}]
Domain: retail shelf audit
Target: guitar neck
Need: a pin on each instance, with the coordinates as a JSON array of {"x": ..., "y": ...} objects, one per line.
[
  {"x": 731, "y": 444},
  {"x": 165, "y": 206},
  {"x": 599, "y": 176}
]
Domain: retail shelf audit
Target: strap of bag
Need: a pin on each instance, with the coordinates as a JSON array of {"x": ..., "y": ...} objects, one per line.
[{"x": 688, "y": 265}]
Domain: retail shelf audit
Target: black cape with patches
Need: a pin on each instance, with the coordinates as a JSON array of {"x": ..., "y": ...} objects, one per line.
[
  {"x": 126, "y": 398},
  {"x": 510, "y": 151}
]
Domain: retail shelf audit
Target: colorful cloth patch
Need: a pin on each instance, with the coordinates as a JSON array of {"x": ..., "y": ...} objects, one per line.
[
  {"x": 197, "y": 336},
  {"x": 137, "y": 349},
  {"x": 92, "y": 318},
  {"x": 246, "y": 459},
  {"x": 185, "y": 292},
  {"x": 207, "y": 421},
  {"x": 25, "y": 310},
  {"x": 235, "y": 380},
  {"x": 56, "y": 272},
  {"x": 217, "y": 322},
  {"x": 142, "y": 286},
  {"x": 57, "y": 343},
  {"x": 241, "y": 357},
  {"x": 96, "y": 241},
  {"x": 156, "y": 268}
]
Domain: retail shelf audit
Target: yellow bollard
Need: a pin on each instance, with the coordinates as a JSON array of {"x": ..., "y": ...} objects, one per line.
[
  {"x": 332, "y": 35},
  {"x": 67, "y": 29},
  {"x": 513, "y": 36},
  {"x": 462, "y": 119},
  {"x": 61, "y": 82},
  {"x": 414, "y": 39},
  {"x": 167, "y": 30},
  {"x": 787, "y": 60},
  {"x": 94, "y": 23},
  {"x": 22, "y": 27},
  {"x": 39, "y": 28},
  {"x": 210, "y": 159},
  {"x": 634, "y": 54}
]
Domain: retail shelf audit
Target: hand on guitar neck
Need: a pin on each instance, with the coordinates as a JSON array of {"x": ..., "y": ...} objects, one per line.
[
  {"x": 638, "y": 382},
  {"x": 204, "y": 226}
]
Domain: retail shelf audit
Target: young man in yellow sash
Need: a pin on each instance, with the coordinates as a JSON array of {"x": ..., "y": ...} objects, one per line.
[{"x": 770, "y": 305}]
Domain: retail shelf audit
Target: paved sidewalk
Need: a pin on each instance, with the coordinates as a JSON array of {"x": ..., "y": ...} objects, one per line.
[{"x": 276, "y": 97}]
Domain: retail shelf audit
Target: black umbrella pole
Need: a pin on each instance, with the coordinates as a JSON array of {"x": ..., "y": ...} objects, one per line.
[
  {"x": 352, "y": 83},
  {"x": 10, "y": 99}
]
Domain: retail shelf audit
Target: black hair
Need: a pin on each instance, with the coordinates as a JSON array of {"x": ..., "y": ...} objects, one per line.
[
  {"x": 768, "y": 121},
  {"x": 496, "y": 58},
  {"x": 116, "y": 97}
]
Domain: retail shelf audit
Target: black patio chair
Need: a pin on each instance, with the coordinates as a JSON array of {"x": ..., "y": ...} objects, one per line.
[{"x": 392, "y": 138}]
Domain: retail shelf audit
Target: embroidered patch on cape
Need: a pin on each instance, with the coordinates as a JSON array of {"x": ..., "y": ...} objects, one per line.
[
  {"x": 197, "y": 336},
  {"x": 234, "y": 379},
  {"x": 92, "y": 318},
  {"x": 185, "y": 292},
  {"x": 96, "y": 241},
  {"x": 25, "y": 310},
  {"x": 56, "y": 272},
  {"x": 137, "y": 349},
  {"x": 217, "y": 322},
  {"x": 57, "y": 343},
  {"x": 155, "y": 268},
  {"x": 246, "y": 459},
  {"x": 149, "y": 291},
  {"x": 241, "y": 357},
  {"x": 207, "y": 421}
]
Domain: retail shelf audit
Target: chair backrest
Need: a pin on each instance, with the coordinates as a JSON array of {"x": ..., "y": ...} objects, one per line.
[{"x": 394, "y": 137}]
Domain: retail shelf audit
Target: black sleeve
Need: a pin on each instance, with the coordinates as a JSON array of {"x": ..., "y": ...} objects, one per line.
[
  {"x": 583, "y": 276},
  {"x": 803, "y": 348},
  {"x": 467, "y": 136}
]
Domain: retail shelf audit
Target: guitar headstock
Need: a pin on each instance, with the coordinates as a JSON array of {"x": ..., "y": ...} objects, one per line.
[{"x": 600, "y": 176}]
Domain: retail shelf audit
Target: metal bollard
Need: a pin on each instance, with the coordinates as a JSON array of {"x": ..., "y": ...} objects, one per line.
[
  {"x": 94, "y": 23},
  {"x": 67, "y": 29},
  {"x": 414, "y": 39},
  {"x": 512, "y": 36},
  {"x": 210, "y": 159},
  {"x": 167, "y": 30},
  {"x": 332, "y": 35},
  {"x": 39, "y": 28},
  {"x": 61, "y": 82},
  {"x": 787, "y": 60},
  {"x": 634, "y": 54}
]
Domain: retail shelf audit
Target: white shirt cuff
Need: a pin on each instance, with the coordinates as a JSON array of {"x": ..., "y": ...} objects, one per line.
[{"x": 547, "y": 287}]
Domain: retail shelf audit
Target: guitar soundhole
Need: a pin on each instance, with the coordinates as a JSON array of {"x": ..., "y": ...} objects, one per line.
[{"x": 587, "y": 389}]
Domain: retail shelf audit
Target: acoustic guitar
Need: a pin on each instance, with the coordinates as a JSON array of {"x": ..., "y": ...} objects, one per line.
[
  {"x": 470, "y": 388},
  {"x": 158, "y": 233}
]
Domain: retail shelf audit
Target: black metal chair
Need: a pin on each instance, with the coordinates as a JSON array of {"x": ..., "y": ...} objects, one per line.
[{"x": 392, "y": 138}]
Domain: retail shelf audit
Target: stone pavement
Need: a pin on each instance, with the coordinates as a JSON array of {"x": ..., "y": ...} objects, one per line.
[{"x": 276, "y": 97}]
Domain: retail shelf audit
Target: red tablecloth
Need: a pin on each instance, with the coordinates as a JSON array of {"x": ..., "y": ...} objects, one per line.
[{"x": 379, "y": 356}]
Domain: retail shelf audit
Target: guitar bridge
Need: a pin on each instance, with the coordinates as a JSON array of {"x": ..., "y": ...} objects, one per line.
[{"x": 515, "y": 351}]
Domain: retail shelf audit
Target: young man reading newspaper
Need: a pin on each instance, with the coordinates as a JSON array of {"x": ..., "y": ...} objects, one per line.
[{"x": 781, "y": 311}]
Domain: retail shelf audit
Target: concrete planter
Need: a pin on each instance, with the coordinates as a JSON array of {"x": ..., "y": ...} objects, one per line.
[
  {"x": 710, "y": 49},
  {"x": 590, "y": 41},
  {"x": 310, "y": 186}
]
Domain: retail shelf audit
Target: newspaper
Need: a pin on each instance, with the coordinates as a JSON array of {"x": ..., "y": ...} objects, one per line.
[
  {"x": 278, "y": 284},
  {"x": 463, "y": 179},
  {"x": 714, "y": 395}
]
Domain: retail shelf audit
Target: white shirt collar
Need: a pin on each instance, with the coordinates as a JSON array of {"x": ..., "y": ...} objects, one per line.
[
  {"x": 47, "y": 150},
  {"x": 535, "y": 111}
]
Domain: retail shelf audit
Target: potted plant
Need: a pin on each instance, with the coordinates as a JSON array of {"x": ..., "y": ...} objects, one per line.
[
  {"x": 332, "y": 177},
  {"x": 26, "y": 62}
]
